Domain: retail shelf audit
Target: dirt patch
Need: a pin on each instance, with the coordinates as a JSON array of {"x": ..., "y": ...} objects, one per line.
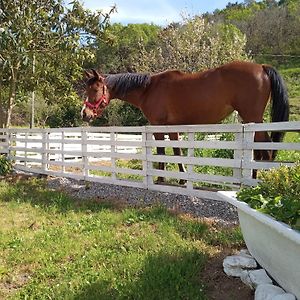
[
  {"x": 12, "y": 283},
  {"x": 219, "y": 286}
]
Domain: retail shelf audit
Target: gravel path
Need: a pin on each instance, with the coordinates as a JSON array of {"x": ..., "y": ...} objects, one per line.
[{"x": 221, "y": 212}]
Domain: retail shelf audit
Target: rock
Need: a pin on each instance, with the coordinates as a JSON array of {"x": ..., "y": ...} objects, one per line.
[
  {"x": 245, "y": 253},
  {"x": 240, "y": 261},
  {"x": 233, "y": 271},
  {"x": 268, "y": 292},
  {"x": 253, "y": 278},
  {"x": 285, "y": 296},
  {"x": 234, "y": 265}
]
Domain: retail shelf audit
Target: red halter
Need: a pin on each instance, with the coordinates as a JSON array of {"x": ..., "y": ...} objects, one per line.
[{"x": 95, "y": 105}]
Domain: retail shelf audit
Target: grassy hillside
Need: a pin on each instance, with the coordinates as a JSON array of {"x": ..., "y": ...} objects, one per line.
[{"x": 292, "y": 79}]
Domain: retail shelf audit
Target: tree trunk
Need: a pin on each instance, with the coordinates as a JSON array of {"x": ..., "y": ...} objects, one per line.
[
  {"x": 11, "y": 96},
  {"x": 2, "y": 110}
]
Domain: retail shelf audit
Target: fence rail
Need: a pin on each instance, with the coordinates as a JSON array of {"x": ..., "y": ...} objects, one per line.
[{"x": 216, "y": 156}]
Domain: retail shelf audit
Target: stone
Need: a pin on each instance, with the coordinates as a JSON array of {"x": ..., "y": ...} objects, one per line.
[
  {"x": 253, "y": 278},
  {"x": 286, "y": 296},
  {"x": 233, "y": 271},
  {"x": 234, "y": 265},
  {"x": 245, "y": 253},
  {"x": 267, "y": 292}
]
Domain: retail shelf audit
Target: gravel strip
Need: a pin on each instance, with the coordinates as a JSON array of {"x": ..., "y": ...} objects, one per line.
[{"x": 221, "y": 212}]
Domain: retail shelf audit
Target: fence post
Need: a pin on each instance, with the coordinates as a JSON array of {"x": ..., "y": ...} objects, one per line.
[
  {"x": 25, "y": 146},
  {"x": 8, "y": 136},
  {"x": 148, "y": 152},
  {"x": 113, "y": 156},
  {"x": 190, "y": 167},
  {"x": 238, "y": 154},
  {"x": 63, "y": 168},
  {"x": 45, "y": 156},
  {"x": 144, "y": 152},
  {"x": 85, "y": 159},
  {"x": 248, "y": 137}
]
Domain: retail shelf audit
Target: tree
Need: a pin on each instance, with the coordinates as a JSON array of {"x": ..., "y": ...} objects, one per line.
[
  {"x": 119, "y": 48},
  {"x": 194, "y": 46},
  {"x": 52, "y": 33}
]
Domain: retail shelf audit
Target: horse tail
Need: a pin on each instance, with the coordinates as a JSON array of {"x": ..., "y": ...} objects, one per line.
[{"x": 280, "y": 104}]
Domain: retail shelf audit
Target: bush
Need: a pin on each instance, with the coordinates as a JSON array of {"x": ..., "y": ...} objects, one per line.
[
  {"x": 278, "y": 194},
  {"x": 5, "y": 165}
]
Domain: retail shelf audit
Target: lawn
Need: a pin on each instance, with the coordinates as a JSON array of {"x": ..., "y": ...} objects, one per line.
[{"x": 56, "y": 247}]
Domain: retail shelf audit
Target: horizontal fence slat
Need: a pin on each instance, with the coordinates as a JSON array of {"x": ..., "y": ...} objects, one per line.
[
  {"x": 125, "y": 129},
  {"x": 196, "y": 144},
  {"x": 272, "y": 146},
  {"x": 196, "y": 177},
  {"x": 66, "y": 164},
  {"x": 265, "y": 165},
  {"x": 196, "y": 128},
  {"x": 108, "y": 180},
  {"x": 29, "y": 140},
  {"x": 116, "y": 143},
  {"x": 117, "y": 170},
  {"x": 281, "y": 126},
  {"x": 204, "y": 161},
  {"x": 184, "y": 191},
  {"x": 25, "y": 159}
]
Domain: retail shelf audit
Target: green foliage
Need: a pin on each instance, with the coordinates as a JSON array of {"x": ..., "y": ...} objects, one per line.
[
  {"x": 66, "y": 114},
  {"x": 193, "y": 46},
  {"x": 41, "y": 47},
  {"x": 278, "y": 194},
  {"x": 290, "y": 155},
  {"x": 118, "y": 50},
  {"x": 120, "y": 113},
  {"x": 5, "y": 165}
]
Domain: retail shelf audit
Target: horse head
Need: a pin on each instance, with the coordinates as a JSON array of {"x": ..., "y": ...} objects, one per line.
[{"x": 96, "y": 96}]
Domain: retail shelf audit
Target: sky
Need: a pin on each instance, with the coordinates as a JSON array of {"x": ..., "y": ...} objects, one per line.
[{"x": 160, "y": 12}]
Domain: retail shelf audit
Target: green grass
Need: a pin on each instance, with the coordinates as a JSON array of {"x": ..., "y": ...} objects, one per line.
[
  {"x": 55, "y": 247},
  {"x": 292, "y": 155}
]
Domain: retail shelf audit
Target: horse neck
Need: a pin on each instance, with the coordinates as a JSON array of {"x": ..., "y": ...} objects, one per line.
[
  {"x": 128, "y": 87},
  {"x": 134, "y": 97}
]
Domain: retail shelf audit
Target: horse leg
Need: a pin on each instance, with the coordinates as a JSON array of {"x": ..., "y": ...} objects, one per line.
[
  {"x": 262, "y": 154},
  {"x": 267, "y": 155},
  {"x": 174, "y": 136},
  {"x": 160, "y": 151}
]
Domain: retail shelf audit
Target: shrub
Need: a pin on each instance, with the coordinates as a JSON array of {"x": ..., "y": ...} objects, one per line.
[
  {"x": 5, "y": 165},
  {"x": 278, "y": 194}
]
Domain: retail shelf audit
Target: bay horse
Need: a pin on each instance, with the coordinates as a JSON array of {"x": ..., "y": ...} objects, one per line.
[{"x": 177, "y": 98}]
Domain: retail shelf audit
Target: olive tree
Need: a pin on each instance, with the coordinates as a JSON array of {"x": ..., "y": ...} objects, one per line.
[{"x": 43, "y": 45}]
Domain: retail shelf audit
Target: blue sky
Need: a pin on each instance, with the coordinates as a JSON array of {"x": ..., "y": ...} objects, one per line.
[{"x": 160, "y": 12}]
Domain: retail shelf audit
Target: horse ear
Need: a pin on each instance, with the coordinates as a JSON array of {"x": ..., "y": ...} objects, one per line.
[
  {"x": 87, "y": 74},
  {"x": 97, "y": 75}
]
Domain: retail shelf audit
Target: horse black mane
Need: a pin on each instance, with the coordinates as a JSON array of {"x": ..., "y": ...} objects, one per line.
[{"x": 121, "y": 84}]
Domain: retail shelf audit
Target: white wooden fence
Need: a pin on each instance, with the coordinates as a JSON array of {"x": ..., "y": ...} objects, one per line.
[{"x": 98, "y": 154}]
